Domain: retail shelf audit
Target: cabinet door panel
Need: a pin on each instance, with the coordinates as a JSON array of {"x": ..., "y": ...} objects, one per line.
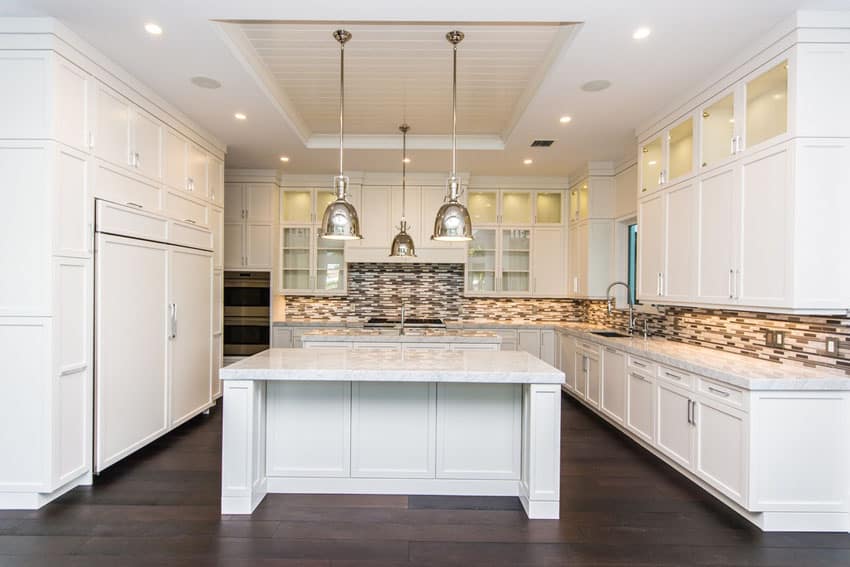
[
  {"x": 174, "y": 172},
  {"x": 234, "y": 245},
  {"x": 217, "y": 227},
  {"x": 215, "y": 180},
  {"x": 568, "y": 360},
  {"x": 651, "y": 224},
  {"x": 259, "y": 245},
  {"x": 375, "y": 221},
  {"x": 260, "y": 202},
  {"x": 548, "y": 262},
  {"x": 581, "y": 374},
  {"x": 529, "y": 341},
  {"x": 679, "y": 277},
  {"x": 197, "y": 169},
  {"x": 614, "y": 384},
  {"x": 191, "y": 335},
  {"x": 72, "y": 104},
  {"x": 112, "y": 137},
  {"x": 674, "y": 431},
  {"x": 594, "y": 380},
  {"x": 640, "y": 416},
  {"x": 130, "y": 390},
  {"x": 147, "y": 143},
  {"x": 234, "y": 205},
  {"x": 764, "y": 230},
  {"x": 716, "y": 236},
  {"x": 722, "y": 449}
]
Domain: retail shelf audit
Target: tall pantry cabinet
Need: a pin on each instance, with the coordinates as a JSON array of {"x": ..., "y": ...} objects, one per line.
[{"x": 73, "y": 131}]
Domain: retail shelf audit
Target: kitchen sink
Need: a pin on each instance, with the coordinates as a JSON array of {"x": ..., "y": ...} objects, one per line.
[{"x": 611, "y": 334}]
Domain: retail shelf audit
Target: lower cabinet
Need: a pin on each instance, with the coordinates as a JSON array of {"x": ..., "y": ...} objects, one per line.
[
  {"x": 614, "y": 384},
  {"x": 539, "y": 343},
  {"x": 567, "y": 345},
  {"x": 721, "y": 447},
  {"x": 640, "y": 404},
  {"x": 675, "y": 428},
  {"x": 588, "y": 377}
]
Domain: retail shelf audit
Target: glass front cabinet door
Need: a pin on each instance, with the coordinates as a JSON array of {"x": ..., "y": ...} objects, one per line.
[
  {"x": 481, "y": 262},
  {"x": 515, "y": 269},
  {"x": 296, "y": 261}
]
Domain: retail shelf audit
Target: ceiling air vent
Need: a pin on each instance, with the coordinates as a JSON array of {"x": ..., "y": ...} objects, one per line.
[{"x": 542, "y": 143}]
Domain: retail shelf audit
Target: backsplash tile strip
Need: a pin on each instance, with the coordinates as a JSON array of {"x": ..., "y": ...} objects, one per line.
[{"x": 436, "y": 290}]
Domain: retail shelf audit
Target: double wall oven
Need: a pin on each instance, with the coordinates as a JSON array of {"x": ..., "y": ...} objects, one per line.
[{"x": 247, "y": 313}]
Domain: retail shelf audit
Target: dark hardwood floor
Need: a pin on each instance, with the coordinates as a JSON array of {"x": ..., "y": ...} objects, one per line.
[{"x": 619, "y": 506}]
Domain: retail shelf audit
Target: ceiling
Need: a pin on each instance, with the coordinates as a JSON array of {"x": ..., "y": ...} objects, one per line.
[{"x": 515, "y": 81}]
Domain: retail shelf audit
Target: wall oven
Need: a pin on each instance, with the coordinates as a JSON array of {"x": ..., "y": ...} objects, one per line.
[{"x": 247, "y": 313}]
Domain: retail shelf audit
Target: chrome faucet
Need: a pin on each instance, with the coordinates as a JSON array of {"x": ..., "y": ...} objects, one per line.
[
  {"x": 402, "y": 318},
  {"x": 610, "y": 301}
]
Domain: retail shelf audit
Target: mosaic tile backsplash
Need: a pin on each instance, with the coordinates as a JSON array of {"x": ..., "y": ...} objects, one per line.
[{"x": 436, "y": 290}]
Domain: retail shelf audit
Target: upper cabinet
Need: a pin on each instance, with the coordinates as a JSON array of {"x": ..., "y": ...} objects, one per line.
[
  {"x": 519, "y": 207},
  {"x": 739, "y": 198}
]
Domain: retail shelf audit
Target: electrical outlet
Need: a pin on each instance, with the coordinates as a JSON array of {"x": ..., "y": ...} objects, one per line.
[
  {"x": 768, "y": 338},
  {"x": 779, "y": 338},
  {"x": 832, "y": 346}
]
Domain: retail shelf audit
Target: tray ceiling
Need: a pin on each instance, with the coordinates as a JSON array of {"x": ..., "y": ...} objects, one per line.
[{"x": 400, "y": 72}]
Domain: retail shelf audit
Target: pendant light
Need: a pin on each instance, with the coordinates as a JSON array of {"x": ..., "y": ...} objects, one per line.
[
  {"x": 453, "y": 223},
  {"x": 402, "y": 245},
  {"x": 340, "y": 220}
]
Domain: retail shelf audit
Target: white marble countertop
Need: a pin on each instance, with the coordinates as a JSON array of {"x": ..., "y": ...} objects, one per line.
[
  {"x": 349, "y": 334},
  {"x": 368, "y": 365},
  {"x": 734, "y": 369}
]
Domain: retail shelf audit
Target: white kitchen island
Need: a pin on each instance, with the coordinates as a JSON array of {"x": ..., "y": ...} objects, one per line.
[{"x": 366, "y": 421}]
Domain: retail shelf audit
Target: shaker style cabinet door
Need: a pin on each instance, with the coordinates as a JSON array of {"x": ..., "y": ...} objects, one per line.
[{"x": 112, "y": 127}]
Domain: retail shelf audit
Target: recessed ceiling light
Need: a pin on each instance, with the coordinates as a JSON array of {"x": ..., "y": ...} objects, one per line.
[
  {"x": 641, "y": 33},
  {"x": 566, "y": 119},
  {"x": 153, "y": 28},
  {"x": 284, "y": 159},
  {"x": 205, "y": 82},
  {"x": 527, "y": 161},
  {"x": 595, "y": 86},
  {"x": 239, "y": 116},
  {"x": 406, "y": 160}
]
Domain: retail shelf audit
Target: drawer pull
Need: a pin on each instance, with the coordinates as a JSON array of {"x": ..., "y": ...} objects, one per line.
[
  {"x": 132, "y": 204},
  {"x": 638, "y": 363},
  {"x": 673, "y": 376},
  {"x": 642, "y": 379},
  {"x": 718, "y": 391},
  {"x": 190, "y": 221}
]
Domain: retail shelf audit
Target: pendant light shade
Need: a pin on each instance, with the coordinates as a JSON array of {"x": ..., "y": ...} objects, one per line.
[
  {"x": 453, "y": 223},
  {"x": 402, "y": 245},
  {"x": 340, "y": 221}
]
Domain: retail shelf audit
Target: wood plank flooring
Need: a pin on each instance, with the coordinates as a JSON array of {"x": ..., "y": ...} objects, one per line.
[{"x": 619, "y": 506}]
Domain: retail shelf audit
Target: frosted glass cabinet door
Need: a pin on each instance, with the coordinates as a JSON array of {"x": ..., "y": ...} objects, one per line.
[
  {"x": 652, "y": 164},
  {"x": 516, "y": 259},
  {"x": 481, "y": 261},
  {"x": 516, "y": 207},
  {"x": 548, "y": 207},
  {"x": 718, "y": 130},
  {"x": 681, "y": 149},
  {"x": 483, "y": 207},
  {"x": 767, "y": 105},
  {"x": 330, "y": 264},
  {"x": 296, "y": 206},
  {"x": 295, "y": 261}
]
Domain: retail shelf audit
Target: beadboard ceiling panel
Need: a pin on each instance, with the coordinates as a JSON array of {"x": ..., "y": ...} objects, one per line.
[{"x": 396, "y": 72}]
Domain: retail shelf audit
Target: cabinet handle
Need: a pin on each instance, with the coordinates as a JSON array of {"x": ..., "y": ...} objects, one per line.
[
  {"x": 689, "y": 411},
  {"x": 661, "y": 287},
  {"x": 739, "y": 144},
  {"x": 190, "y": 221},
  {"x": 733, "y": 146},
  {"x": 190, "y": 184},
  {"x": 91, "y": 140},
  {"x": 173, "y": 309},
  {"x": 737, "y": 284},
  {"x": 642, "y": 378},
  {"x": 132, "y": 204},
  {"x": 638, "y": 363},
  {"x": 658, "y": 284},
  {"x": 137, "y": 161},
  {"x": 693, "y": 412},
  {"x": 671, "y": 375},
  {"x": 718, "y": 391}
]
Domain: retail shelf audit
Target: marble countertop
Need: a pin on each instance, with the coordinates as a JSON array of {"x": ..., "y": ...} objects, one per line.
[
  {"x": 734, "y": 369},
  {"x": 349, "y": 334},
  {"x": 368, "y": 365}
]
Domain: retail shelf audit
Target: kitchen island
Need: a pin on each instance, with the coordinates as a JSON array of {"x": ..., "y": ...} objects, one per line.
[
  {"x": 371, "y": 421},
  {"x": 395, "y": 339}
]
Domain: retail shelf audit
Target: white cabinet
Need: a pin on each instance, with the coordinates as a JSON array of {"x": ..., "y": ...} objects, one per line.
[
  {"x": 72, "y": 104},
  {"x": 674, "y": 422},
  {"x": 529, "y": 341},
  {"x": 588, "y": 260},
  {"x": 196, "y": 167},
  {"x": 249, "y": 230},
  {"x": 651, "y": 225},
  {"x": 588, "y": 377},
  {"x": 539, "y": 343},
  {"x": 174, "y": 160},
  {"x": 548, "y": 347},
  {"x": 281, "y": 337},
  {"x": 191, "y": 333},
  {"x": 111, "y": 138},
  {"x": 131, "y": 390},
  {"x": 146, "y": 144},
  {"x": 640, "y": 410},
  {"x": 217, "y": 228},
  {"x": 548, "y": 262},
  {"x": 614, "y": 384},
  {"x": 568, "y": 360},
  {"x": 716, "y": 235},
  {"x": 722, "y": 434},
  {"x": 375, "y": 221}
]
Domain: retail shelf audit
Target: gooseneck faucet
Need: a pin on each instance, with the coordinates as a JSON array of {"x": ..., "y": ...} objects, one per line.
[{"x": 610, "y": 301}]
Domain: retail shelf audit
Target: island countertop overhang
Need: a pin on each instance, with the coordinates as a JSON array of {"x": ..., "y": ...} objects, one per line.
[{"x": 367, "y": 365}]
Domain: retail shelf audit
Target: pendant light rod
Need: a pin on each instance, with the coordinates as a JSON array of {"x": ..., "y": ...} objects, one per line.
[
  {"x": 404, "y": 128},
  {"x": 342, "y": 36},
  {"x": 454, "y": 38}
]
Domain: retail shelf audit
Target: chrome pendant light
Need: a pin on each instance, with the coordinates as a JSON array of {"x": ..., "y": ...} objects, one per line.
[
  {"x": 453, "y": 223},
  {"x": 402, "y": 245},
  {"x": 340, "y": 221}
]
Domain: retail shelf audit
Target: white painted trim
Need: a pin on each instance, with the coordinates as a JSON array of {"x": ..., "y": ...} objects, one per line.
[
  {"x": 424, "y": 486},
  {"x": 486, "y": 142},
  {"x": 35, "y": 500}
]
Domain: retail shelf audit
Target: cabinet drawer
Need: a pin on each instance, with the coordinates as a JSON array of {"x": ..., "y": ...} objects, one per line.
[
  {"x": 722, "y": 392},
  {"x": 676, "y": 376},
  {"x": 642, "y": 364},
  {"x": 120, "y": 187},
  {"x": 130, "y": 221},
  {"x": 377, "y": 346},
  {"x": 425, "y": 346},
  {"x": 474, "y": 346},
  {"x": 184, "y": 209},
  {"x": 187, "y": 234},
  {"x": 589, "y": 347}
]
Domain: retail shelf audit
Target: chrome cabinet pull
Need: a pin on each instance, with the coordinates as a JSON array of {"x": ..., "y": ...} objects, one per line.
[
  {"x": 689, "y": 411},
  {"x": 132, "y": 204},
  {"x": 190, "y": 221},
  {"x": 693, "y": 412},
  {"x": 673, "y": 376},
  {"x": 173, "y": 313},
  {"x": 731, "y": 272},
  {"x": 718, "y": 391},
  {"x": 737, "y": 280}
]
